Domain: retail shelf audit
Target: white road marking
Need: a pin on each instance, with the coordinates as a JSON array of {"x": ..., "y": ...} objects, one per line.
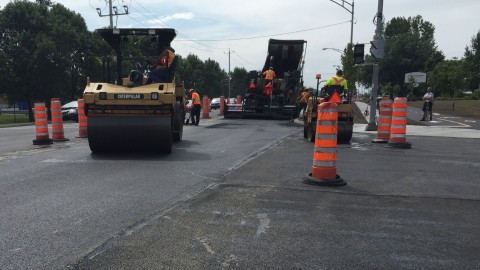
[
  {"x": 454, "y": 122},
  {"x": 205, "y": 244},
  {"x": 264, "y": 224}
]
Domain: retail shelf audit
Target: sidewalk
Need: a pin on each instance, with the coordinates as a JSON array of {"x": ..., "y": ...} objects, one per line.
[{"x": 421, "y": 129}]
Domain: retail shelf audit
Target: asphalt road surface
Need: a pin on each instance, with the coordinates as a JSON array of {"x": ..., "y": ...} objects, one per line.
[{"x": 60, "y": 202}]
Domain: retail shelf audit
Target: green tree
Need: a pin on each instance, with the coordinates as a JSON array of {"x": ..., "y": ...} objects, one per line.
[
  {"x": 472, "y": 63},
  {"x": 409, "y": 47},
  {"x": 349, "y": 69},
  {"x": 447, "y": 78},
  {"x": 43, "y": 44},
  {"x": 239, "y": 82}
]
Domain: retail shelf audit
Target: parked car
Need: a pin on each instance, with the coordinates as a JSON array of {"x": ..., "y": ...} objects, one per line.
[
  {"x": 70, "y": 111},
  {"x": 215, "y": 104}
]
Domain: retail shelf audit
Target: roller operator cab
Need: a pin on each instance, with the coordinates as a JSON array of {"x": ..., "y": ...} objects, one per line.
[
  {"x": 345, "y": 113},
  {"x": 132, "y": 113}
]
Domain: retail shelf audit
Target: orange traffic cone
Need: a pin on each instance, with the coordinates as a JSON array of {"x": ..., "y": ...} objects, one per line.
[
  {"x": 399, "y": 124},
  {"x": 222, "y": 105},
  {"x": 324, "y": 170},
  {"x": 384, "y": 121},
  {"x": 82, "y": 120},
  {"x": 57, "y": 121},
  {"x": 205, "y": 113},
  {"x": 41, "y": 125}
]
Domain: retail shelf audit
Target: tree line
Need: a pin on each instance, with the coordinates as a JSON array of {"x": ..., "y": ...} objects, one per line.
[
  {"x": 46, "y": 51},
  {"x": 410, "y": 47}
]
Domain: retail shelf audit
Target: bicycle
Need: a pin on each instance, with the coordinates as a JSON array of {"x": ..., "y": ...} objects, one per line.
[{"x": 427, "y": 111}]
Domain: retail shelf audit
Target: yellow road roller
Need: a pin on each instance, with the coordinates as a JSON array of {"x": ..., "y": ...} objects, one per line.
[{"x": 134, "y": 112}]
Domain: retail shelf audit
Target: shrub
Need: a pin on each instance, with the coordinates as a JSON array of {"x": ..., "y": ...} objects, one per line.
[{"x": 476, "y": 94}]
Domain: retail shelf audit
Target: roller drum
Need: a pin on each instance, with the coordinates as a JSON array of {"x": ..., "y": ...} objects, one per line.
[{"x": 130, "y": 133}]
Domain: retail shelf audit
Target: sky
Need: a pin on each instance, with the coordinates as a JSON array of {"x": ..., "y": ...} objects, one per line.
[{"x": 210, "y": 29}]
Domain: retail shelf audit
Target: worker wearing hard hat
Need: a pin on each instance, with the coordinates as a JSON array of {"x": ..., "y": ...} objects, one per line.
[
  {"x": 196, "y": 108},
  {"x": 160, "y": 65},
  {"x": 269, "y": 75},
  {"x": 337, "y": 81}
]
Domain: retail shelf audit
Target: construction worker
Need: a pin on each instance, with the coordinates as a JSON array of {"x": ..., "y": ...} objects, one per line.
[
  {"x": 302, "y": 101},
  {"x": 197, "y": 105},
  {"x": 160, "y": 65},
  {"x": 338, "y": 83},
  {"x": 269, "y": 75}
]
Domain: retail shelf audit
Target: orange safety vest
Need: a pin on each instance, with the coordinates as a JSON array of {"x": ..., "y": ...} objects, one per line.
[
  {"x": 337, "y": 81},
  {"x": 304, "y": 97},
  {"x": 166, "y": 58},
  {"x": 269, "y": 74},
  {"x": 196, "y": 99}
]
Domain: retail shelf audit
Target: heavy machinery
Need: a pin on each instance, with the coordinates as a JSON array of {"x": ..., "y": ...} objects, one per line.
[
  {"x": 129, "y": 114},
  {"x": 331, "y": 93},
  {"x": 286, "y": 58}
]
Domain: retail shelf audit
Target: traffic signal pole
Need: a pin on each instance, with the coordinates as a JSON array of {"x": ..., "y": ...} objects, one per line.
[{"x": 372, "y": 126}]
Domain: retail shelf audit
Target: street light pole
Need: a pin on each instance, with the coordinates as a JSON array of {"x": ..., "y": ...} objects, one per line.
[
  {"x": 352, "y": 11},
  {"x": 337, "y": 50}
]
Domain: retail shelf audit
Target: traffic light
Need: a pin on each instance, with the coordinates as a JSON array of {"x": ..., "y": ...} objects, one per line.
[
  {"x": 378, "y": 48},
  {"x": 358, "y": 52}
]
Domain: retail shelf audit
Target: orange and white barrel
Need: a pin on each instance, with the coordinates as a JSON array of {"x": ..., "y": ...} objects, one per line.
[
  {"x": 222, "y": 105},
  {"x": 58, "y": 134},
  {"x": 384, "y": 121},
  {"x": 324, "y": 170},
  {"x": 205, "y": 104},
  {"x": 398, "y": 128},
  {"x": 82, "y": 120},
  {"x": 41, "y": 125}
]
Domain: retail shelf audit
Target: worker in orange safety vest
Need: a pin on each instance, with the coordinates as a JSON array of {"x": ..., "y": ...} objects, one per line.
[
  {"x": 269, "y": 75},
  {"x": 302, "y": 101},
  {"x": 196, "y": 108}
]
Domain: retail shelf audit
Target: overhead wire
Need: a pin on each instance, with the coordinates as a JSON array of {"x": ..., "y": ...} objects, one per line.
[
  {"x": 272, "y": 35},
  {"x": 179, "y": 33}
]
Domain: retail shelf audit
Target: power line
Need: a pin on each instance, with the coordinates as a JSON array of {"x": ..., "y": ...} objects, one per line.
[
  {"x": 179, "y": 33},
  {"x": 248, "y": 63},
  {"x": 272, "y": 35}
]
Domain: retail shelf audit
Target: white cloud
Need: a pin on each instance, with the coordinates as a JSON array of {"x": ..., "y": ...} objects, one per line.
[{"x": 455, "y": 24}]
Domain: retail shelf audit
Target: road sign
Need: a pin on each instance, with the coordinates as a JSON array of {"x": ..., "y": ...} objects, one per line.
[{"x": 417, "y": 77}]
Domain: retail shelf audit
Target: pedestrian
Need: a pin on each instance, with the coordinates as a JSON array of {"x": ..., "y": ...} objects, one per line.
[
  {"x": 197, "y": 105},
  {"x": 302, "y": 101},
  {"x": 336, "y": 83},
  {"x": 427, "y": 105},
  {"x": 161, "y": 64}
]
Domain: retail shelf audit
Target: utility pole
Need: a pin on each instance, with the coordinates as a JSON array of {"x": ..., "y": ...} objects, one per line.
[
  {"x": 351, "y": 11},
  {"x": 372, "y": 126},
  {"x": 112, "y": 11},
  {"x": 228, "y": 73}
]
